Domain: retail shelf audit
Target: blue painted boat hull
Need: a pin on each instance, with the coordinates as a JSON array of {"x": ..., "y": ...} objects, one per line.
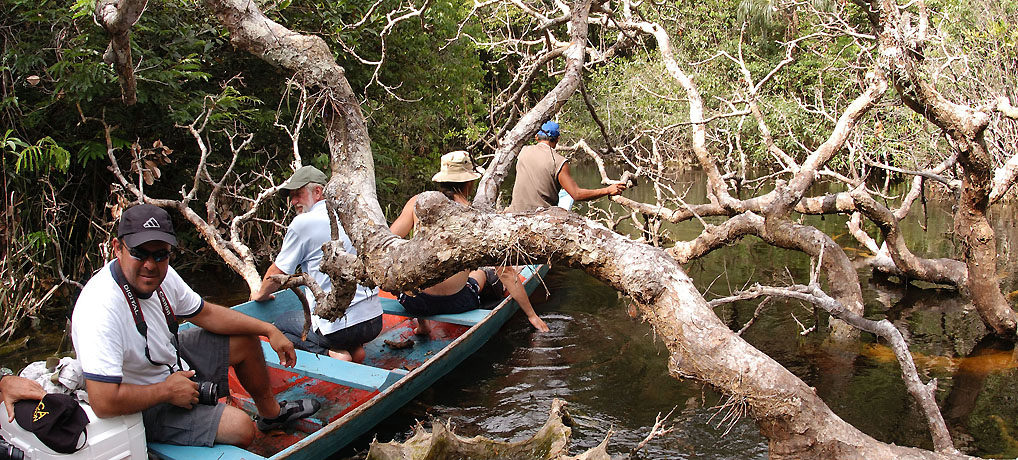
[{"x": 387, "y": 380}]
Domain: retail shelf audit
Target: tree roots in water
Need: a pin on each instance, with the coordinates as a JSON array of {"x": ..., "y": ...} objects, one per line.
[{"x": 550, "y": 442}]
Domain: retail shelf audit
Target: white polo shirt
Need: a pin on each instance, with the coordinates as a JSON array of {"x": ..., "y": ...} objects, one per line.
[
  {"x": 106, "y": 339},
  {"x": 302, "y": 247}
]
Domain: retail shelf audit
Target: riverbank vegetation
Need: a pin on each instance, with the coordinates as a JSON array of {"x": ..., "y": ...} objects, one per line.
[{"x": 203, "y": 107}]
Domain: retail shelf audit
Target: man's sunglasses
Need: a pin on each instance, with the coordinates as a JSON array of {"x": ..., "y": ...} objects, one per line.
[{"x": 141, "y": 254}]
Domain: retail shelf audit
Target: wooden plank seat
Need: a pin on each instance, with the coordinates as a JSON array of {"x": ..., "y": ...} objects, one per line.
[{"x": 333, "y": 370}]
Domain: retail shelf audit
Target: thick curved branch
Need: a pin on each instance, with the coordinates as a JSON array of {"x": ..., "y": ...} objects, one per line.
[
  {"x": 701, "y": 346},
  {"x": 511, "y": 143},
  {"x": 942, "y": 271},
  {"x": 717, "y": 236}
]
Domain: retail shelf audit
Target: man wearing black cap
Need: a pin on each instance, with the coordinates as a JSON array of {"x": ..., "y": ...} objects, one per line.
[
  {"x": 345, "y": 337},
  {"x": 125, "y": 335}
]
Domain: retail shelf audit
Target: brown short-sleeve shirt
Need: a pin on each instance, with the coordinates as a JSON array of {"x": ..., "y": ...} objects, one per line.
[{"x": 536, "y": 185}]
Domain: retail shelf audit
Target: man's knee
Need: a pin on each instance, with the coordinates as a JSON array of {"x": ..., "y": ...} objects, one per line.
[
  {"x": 236, "y": 428},
  {"x": 480, "y": 276},
  {"x": 245, "y": 347}
]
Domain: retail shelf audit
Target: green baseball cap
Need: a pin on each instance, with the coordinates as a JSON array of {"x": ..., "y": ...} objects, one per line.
[{"x": 303, "y": 176}]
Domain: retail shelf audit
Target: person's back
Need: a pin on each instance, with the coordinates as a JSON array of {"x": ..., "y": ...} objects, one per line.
[
  {"x": 466, "y": 289},
  {"x": 536, "y": 185},
  {"x": 541, "y": 172}
]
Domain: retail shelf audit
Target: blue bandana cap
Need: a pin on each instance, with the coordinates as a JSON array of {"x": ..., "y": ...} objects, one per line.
[{"x": 549, "y": 130}]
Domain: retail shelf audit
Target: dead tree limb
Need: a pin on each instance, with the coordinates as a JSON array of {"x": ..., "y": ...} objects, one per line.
[
  {"x": 117, "y": 17},
  {"x": 924, "y": 394}
]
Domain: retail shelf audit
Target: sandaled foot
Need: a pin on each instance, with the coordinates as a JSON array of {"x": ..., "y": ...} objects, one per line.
[{"x": 289, "y": 411}]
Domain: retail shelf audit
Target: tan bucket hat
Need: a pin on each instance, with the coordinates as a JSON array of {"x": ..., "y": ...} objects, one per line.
[{"x": 457, "y": 167}]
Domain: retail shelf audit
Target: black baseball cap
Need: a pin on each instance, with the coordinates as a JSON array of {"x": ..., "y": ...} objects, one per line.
[
  {"x": 142, "y": 223},
  {"x": 57, "y": 420}
]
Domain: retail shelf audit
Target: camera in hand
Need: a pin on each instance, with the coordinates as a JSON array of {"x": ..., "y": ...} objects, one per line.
[
  {"x": 10, "y": 452},
  {"x": 208, "y": 393}
]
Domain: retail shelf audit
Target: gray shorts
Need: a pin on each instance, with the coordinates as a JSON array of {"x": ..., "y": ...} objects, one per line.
[{"x": 208, "y": 354}]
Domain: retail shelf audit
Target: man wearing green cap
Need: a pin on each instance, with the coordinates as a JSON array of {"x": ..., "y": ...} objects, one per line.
[
  {"x": 541, "y": 172},
  {"x": 302, "y": 248}
]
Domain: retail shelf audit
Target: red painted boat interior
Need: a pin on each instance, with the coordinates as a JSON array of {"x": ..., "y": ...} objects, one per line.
[{"x": 337, "y": 399}]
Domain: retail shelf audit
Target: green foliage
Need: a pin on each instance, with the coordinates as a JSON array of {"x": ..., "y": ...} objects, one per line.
[{"x": 44, "y": 154}]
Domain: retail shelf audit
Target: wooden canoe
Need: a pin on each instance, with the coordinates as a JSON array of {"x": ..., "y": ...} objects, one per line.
[{"x": 355, "y": 397}]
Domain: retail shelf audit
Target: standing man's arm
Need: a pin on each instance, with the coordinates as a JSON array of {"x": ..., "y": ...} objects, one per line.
[
  {"x": 15, "y": 388},
  {"x": 224, "y": 321},
  {"x": 265, "y": 292},
  {"x": 565, "y": 179},
  {"x": 112, "y": 399}
]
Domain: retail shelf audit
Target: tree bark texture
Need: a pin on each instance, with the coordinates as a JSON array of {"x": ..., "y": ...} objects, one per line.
[
  {"x": 117, "y": 17},
  {"x": 965, "y": 126}
]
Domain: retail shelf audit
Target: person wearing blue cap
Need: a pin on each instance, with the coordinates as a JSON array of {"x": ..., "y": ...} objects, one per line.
[{"x": 541, "y": 172}]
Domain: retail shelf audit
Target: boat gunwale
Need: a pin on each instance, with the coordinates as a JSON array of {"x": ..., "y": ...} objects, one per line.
[{"x": 506, "y": 303}]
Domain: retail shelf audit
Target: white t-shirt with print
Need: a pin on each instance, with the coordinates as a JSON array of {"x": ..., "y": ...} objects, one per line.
[
  {"x": 302, "y": 247},
  {"x": 108, "y": 343}
]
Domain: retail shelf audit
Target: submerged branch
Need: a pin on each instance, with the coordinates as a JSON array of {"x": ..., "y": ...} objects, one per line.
[{"x": 924, "y": 394}]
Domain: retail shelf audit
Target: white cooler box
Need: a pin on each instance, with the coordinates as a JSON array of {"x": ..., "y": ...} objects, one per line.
[{"x": 113, "y": 438}]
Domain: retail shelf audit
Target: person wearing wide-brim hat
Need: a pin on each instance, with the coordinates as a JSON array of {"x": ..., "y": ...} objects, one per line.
[{"x": 465, "y": 290}]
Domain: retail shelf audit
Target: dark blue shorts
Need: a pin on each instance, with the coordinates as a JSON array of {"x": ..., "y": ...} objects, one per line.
[
  {"x": 291, "y": 324},
  {"x": 468, "y": 298}
]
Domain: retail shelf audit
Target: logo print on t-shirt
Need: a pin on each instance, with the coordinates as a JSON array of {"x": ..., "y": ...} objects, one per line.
[{"x": 151, "y": 223}]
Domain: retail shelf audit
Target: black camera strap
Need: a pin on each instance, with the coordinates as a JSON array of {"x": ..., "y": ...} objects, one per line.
[{"x": 139, "y": 317}]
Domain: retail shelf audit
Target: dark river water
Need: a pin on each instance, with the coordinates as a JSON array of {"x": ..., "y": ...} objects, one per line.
[{"x": 612, "y": 371}]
